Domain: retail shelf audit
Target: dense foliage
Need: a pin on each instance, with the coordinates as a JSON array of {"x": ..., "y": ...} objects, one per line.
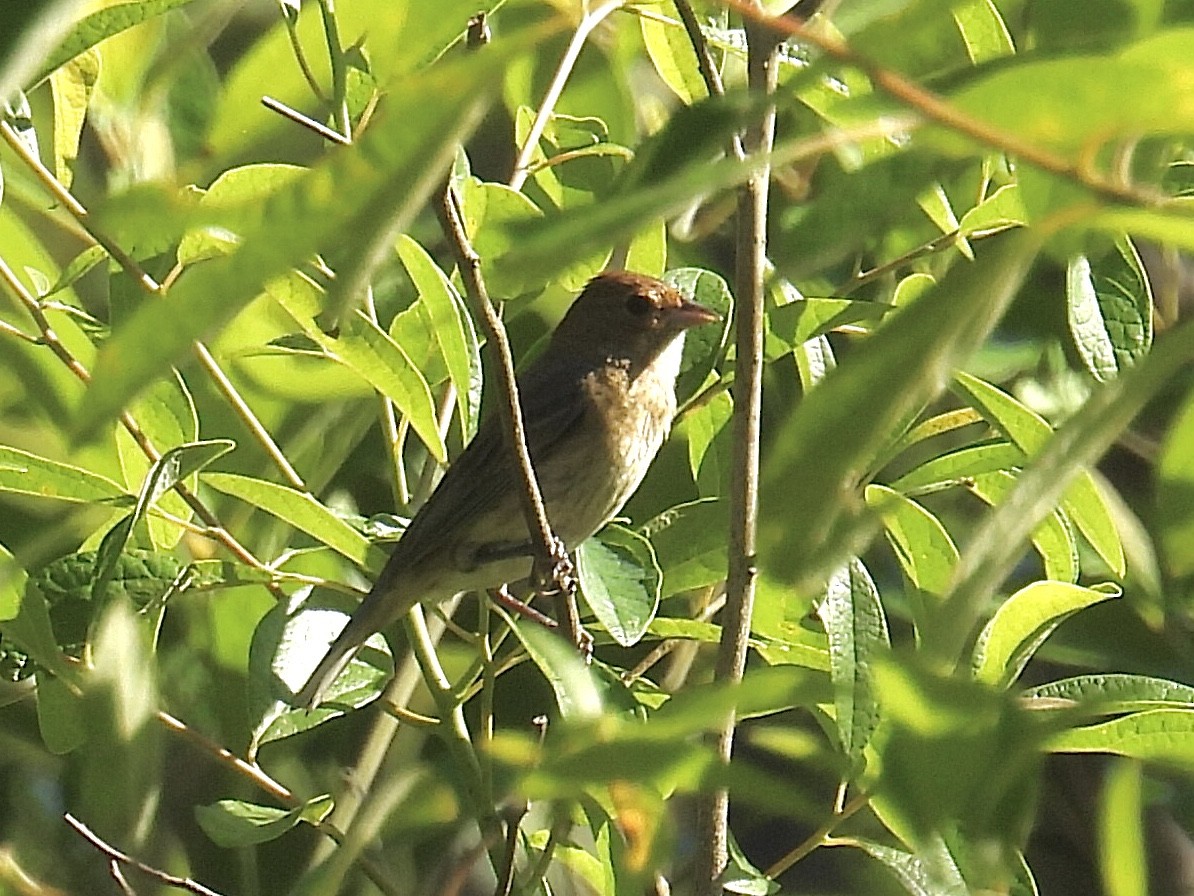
[{"x": 237, "y": 351}]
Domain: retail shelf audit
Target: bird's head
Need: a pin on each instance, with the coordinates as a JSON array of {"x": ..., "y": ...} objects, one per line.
[{"x": 622, "y": 315}]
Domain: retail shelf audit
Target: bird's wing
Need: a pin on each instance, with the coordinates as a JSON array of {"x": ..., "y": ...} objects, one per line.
[{"x": 483, "y": 476}]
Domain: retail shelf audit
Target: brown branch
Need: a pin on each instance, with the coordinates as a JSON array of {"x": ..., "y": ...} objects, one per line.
[
  {"x": 742, "y": 572},
  {"x": 547, "y": 548},
  {"x": 936, "y": 109},
  {"x": 118, "y": 858}
]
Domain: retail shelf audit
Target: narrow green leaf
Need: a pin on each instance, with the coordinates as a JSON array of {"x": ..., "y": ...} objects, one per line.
[
  {"x": 449, "y": 322},
  {"x": 999, "y": 211},
  {"x": 1156, "y": 735},
  {"x": 236, "y": 823},
  {"x": 1082, "y": 500},
  {"x": 1053, "y": 538},
  {"x": 797, "y": 322},
  {"x": 1175, "y": 492},
  {"x": 916, "y": 876},
  {"x": 71, "y": 86},
  {"x": 1023, "y": 622},
  {"x": 857, "y": 629},
  {"x": 983, "y": 30},
  {"x": 1112, "y": 693},
  {"x": 171, "y": 468},
  {"x": 578, "y": 694},
  {"x": 375, "y": 186},
  {"x": 922, "y": 546},
  {"x": 620, "y": 580},
  {"x": 1123, "y": 855},
  {"x": 99, "y": 26},
  {"x": 368, "y": 351},
  {"x": 671, "y": 53},
  {"x": 302, "y": 511},
  {"x": 29, "y": 474}
]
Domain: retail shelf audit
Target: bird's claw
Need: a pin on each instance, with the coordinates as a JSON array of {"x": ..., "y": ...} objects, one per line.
[{"x": 557, "y": 578}]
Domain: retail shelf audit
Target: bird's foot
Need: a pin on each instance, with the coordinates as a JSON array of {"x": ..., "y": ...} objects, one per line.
[{"x": 556, "y": 575}]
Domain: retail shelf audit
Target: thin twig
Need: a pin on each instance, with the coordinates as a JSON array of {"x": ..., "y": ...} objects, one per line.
[
  {"x": 543, "y": 541},
  {"x": 50, "y": 338},
  {"x": 116, "y": 856},
  {"x": 77, "y": 210},
  {"x": 938, "y": 110},
  {"x": 310, "y": 123},
  {"x": 708, "y": 68},
  {"x": 742, "y": 573},
  {"x": 331, "y": 30},
  {"x": 296, "y": 47},
  {"x": 590, "y": 19},
  {"x": 818, "y": 837}
]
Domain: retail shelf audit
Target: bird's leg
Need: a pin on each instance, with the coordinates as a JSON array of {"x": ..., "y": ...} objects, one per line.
[{"x": 502, "y": 597}]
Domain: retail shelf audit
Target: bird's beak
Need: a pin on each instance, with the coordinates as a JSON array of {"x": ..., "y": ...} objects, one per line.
[{"x": 690, "y": 314}]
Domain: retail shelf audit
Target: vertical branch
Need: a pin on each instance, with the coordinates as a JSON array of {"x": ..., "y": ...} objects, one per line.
[{"x": 751, "y": 270}]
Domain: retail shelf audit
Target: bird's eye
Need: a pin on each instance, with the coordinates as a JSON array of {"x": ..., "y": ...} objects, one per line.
[{"x": 638, "y": 305}]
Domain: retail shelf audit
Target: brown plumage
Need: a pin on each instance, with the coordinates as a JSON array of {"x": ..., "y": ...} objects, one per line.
[{"x": 597, "y": 404}]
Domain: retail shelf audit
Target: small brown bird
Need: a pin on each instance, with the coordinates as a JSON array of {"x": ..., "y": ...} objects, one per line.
[{"x": 597, "y": 404}]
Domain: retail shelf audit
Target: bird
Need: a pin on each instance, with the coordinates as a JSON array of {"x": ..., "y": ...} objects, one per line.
[{"x": 597, "y": 404}]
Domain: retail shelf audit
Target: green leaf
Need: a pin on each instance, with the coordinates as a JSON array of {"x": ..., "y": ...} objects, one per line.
[
  {"x": 999, "y": 211},
  {"x": 1023, "y": 622},
  {"x": 922, "y": 546},
  {"x": 916, "y": 876},
  {"x": 1092, "y": 99},
  {"x": 578, "y": 694},
  {"x": 1123, "y": 855},
  {"x": 956, "y": 468},
  {"x": 167, "y": 417},
  {"x": 120, "y": 762},
  {"x": 29, "y": 474},
  {"x": 236, "y": 190},
  {"x": 302, "y": 511},
  {"x": 12, "y": 585},
  {"x": 363, "y": 347},
  {"x": 857, "y": 629},
  {"x": 449, "y": 323},
  {"x": 1111, "y": 693},
  {"x": 1175, "y": 492},
  {"x": 1156, "y": 735},
  {"x": 620, "y": 581},
  {"x": 1082, "y": 501},
  {"x": 59, "y": 715},
  {"x": 671, "y": 53},
  {"x": 236, "y": 823},
  {"x": 801, "y": 320},
  {"x": 287, "y": 644},
  {"x": 703, "y": 346},
  {"x": 1109, "y": 305},
  {"x": 71, "y": 86},
  {"x": 99, "y": 26},
  {"x": 983, "y": 30},
  {"x": 375, "y": 186},
  {"x": 1052, "y": 538},
  {"x": 847, "y": 412},
  {"x": 170, "y": 469},
  {"x": 690, "y": 545}
]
